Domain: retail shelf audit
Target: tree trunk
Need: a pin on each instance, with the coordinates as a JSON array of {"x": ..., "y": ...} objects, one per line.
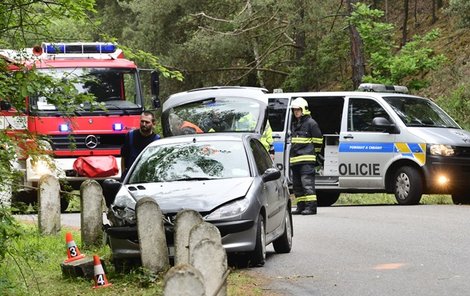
[
  {"x": 357, "y": 55},
  {"x": 406, "y": 8},
  {"x": 386, "y": 10},
  {"x": 299, "y": 38},
  {"x": 256, "y": 51},
  {"x": 434, "y": 17}
]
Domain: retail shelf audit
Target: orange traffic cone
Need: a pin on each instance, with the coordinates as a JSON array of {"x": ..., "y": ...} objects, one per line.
[
  {"x": 73, "y": 253},
  {"x": 100, "y": 277}
]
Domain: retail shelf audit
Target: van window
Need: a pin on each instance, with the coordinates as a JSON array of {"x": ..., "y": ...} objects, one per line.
[
  {"x": 214, "y": 115},
  {"x": 420, "y": 112},
  {"x": 361, "y": 112},
  {"x": 277, "y": 108}
]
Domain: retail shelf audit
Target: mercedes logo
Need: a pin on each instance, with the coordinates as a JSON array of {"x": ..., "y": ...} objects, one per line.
[{"x": 91, "y": 141}]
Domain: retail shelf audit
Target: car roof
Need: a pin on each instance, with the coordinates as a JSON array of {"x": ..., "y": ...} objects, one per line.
[
  {"x": 211, "y": 137},
  {"x": 214, "y": 91}
]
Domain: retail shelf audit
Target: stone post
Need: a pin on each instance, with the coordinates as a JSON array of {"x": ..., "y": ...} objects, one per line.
[
  {"x": 184, "y": 221},
  {"x": 49, "y": 205},
  {"x": 183, "y": 279},
  {"x": 202, "y": 231},
  {"x": 151, "y": 232},
  {"x": 210, "y": 258},
  {"x": 91, "y": 213}
]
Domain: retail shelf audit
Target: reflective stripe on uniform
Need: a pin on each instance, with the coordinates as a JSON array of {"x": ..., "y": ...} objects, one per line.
[
  {"x": 302, "y": 158},
  {"x": 302, "y": 140},
  {"x": 306, "y": 198}
]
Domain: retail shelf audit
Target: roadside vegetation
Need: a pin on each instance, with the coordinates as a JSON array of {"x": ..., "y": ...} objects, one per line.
[{"x": 30, "y": 265}]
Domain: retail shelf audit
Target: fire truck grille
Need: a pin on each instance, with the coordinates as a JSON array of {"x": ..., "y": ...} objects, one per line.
[{"x": 87, "y": 142}]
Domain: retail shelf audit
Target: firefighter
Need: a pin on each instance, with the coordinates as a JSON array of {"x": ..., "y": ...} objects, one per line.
[{"x": 306, "y": 140}]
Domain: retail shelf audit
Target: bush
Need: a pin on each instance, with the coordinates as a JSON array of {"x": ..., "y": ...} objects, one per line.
[{"x": 461, "y": 9}]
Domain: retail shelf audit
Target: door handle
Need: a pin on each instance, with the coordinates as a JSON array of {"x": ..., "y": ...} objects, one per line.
[
  {"x": 348, "y": 137},
  {"x": 276, "y": 137}
]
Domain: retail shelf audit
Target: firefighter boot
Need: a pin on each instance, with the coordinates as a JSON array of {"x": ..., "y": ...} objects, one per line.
[
  {"x": 310, "y": 208},
  {"x": 300, "y": 207}
]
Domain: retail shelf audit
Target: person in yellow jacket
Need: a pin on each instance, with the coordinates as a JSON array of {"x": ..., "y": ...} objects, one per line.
[
  {"x": 248, "y": 123},
  {"x": 306, "y": 140}
]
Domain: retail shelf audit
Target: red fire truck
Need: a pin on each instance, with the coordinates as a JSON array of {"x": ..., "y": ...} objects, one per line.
[{"x": 96, "y": 130}]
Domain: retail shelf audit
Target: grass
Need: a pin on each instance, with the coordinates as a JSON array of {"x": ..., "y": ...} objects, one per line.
[
  {"x": 382, "y": 198},
  {"x": 32, "y": 267}
]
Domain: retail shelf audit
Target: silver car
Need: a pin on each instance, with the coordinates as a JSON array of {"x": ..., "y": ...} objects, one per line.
[{"x": 228, "y": 178}]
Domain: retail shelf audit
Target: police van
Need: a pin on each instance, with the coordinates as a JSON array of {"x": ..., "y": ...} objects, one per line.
[{"x": 379, "y": 139}]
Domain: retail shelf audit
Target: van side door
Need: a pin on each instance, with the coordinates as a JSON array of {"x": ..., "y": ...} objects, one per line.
[
  {"x": 364, "y": 149},
  {"x": 279, "y": 118}
]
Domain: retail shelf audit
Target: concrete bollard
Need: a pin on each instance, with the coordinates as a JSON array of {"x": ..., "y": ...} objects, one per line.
[
  {"x": 184, "y": 221},
  {"x": 151, "y": 232},
  {"x": 183, "y": 280},
  {"x": 91, "y": 214},
  {"x": 49, "y": 205},
  {"x": 201, "y": 231},
  {"x": 210, "y": 258}
]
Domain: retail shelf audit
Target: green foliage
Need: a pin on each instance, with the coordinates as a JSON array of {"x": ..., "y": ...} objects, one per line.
[
  {"x": 461, "y": 9},
  {"x": 458, "y": 104},
  {"x": 384, "y": 64}
]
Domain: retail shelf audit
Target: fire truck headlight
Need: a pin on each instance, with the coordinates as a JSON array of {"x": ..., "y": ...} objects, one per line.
[{"x": 441, "y": 150}]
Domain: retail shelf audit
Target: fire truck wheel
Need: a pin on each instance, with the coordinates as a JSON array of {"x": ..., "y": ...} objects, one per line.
[{"x": 64, "y": 204}]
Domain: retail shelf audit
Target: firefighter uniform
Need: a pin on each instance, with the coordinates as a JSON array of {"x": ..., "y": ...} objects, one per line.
[{"x": 306, "y": 142}]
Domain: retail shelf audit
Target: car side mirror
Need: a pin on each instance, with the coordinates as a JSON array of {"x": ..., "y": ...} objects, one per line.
[
  {"x": 382, "y": 123},
  {"x": 271, "y": 174},
  {"x": 110, "y": 189}
]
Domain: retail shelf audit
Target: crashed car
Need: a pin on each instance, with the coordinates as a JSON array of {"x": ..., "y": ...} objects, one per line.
[{"x": 228, "y": 178}]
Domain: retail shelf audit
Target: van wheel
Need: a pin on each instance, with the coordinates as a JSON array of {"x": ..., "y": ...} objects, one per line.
[
  {"x": 326, "y": 198},
  {"x": 461, "y": 198},
  {"x": 408, "y": 186}
]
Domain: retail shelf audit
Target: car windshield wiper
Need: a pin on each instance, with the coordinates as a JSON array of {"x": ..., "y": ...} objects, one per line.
[{"x": 193, "y": 179}]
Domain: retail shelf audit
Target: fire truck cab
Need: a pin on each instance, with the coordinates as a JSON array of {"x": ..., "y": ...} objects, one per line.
[{"x": 95, "y": 129}]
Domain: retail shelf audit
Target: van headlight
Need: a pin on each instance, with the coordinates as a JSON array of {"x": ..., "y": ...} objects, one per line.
[
  {"x": 229, "y": 210},
  {"x": 441, "y": 150}
]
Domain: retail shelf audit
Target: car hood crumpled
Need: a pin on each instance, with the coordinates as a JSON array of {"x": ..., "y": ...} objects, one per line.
[{"x": 200, "y": 196}]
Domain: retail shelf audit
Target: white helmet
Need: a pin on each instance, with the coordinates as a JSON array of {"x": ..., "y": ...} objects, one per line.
[{"x": 300, "y": 103}]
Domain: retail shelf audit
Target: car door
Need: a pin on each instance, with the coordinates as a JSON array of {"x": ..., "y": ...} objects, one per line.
[
  {"x": 364, "y": 151},
  {"x": 271, "y": 190}
]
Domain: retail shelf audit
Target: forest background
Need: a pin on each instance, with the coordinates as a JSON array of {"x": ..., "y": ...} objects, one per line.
[{"x": 296, "y": 45}]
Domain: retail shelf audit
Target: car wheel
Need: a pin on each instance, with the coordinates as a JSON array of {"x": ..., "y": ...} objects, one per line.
[
  {"x": 258, "y": 256},
  {"x": 460, "y": 198},
  {"x": 283, "y": 244},
  {"x": 408, "y": 186},
  {"x": 326, "y": 198}
]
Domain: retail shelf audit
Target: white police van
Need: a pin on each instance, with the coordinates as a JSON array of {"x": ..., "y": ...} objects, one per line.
[{"x": 379, "y": 140}]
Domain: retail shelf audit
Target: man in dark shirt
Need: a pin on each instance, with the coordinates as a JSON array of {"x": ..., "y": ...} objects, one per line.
[{"x": 136, "y": 140}]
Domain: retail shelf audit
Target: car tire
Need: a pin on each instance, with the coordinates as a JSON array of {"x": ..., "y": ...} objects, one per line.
[
  {"x": 283, "y": 244},
  {"x": 258, "y": 256},
  {"x": 407, "y": 186},
  {"x": 326, "y": 198},
  {"x": 460, "y": 198}
]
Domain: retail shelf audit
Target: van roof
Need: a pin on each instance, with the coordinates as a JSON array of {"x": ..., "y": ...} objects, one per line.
[{"x": 198, "y": 94}]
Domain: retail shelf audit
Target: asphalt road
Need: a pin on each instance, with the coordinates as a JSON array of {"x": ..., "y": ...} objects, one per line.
[{"x": 374, "y": 250}]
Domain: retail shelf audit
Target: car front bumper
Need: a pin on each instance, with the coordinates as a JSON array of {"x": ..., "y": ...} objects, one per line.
[{"x": 237, "y": 236}]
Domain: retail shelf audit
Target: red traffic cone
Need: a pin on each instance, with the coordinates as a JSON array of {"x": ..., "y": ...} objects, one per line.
[
  {"x": 100, "y": 277},
  {"x": 73, "y": 253}
]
